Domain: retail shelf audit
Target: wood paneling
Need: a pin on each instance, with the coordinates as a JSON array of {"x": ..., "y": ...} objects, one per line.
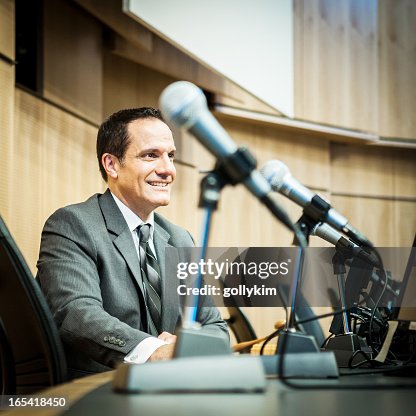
[
  {"x": 7, "y": 26},
  {"x": 404, "y": 220},
  {"x": 53, "y": 164},
  {"x": 171, "y": 61},
  {"x": 127, "y": 84},
  {"x": 26, "y": 192},
  {"x": 397, "y": 63},
  {"x": 355, "y": 63},
  {"x": 387, "y": 223},
  {"x": 7, "y": 81},
  {"x": 134, "y": 42},
  {"x": 7, "y": 136},
  {"x": 336, "y": 62},
  {"x": 308, "y": 160},
  {"x": 373, "y": 171},
  {"x": 73, "y": 59},
  {"x": 111, "y": 14}
]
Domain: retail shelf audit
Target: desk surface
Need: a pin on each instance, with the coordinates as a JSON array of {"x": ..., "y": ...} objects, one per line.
[{"x": 376, "y": 395}]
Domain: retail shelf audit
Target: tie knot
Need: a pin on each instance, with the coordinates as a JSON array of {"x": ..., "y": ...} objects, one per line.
[{"x": 144, "y": 233}]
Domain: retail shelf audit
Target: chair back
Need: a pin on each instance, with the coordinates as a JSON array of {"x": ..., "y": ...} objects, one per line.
[{"x": 31, "y": 353}]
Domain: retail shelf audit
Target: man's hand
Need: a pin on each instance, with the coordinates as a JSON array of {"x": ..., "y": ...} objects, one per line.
[
  {"x": 167, "y": 337},
  {"x": 165, "y": 352}
]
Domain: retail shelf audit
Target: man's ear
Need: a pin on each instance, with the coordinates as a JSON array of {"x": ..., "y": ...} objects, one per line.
[{"x": 111, "y": 165}]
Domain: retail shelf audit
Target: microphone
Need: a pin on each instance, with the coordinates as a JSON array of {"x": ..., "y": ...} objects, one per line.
[
  {"x": 327, "y": 233},
  {"x": 184, "y": 105},
  {"x": 281, "y": 180}
]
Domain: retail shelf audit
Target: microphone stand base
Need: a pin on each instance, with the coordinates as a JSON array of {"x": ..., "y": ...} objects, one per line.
[
  {"x": 304, "y": 365},
  {"x": 296, "y": 342},
  {"x": 344, "y": 346},
  {"x": 193, "y": 342},
  {"x": 227, "y": 373}
]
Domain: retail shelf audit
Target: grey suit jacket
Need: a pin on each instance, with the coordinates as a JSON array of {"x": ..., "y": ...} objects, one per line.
[{"x": 89, "y": 270}]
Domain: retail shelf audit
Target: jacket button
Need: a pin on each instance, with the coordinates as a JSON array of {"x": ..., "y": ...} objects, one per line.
[
  {"x": 111, "y": 340},
  {"x": 122, "y": 343},
  {"x": 105, "y": 339}
]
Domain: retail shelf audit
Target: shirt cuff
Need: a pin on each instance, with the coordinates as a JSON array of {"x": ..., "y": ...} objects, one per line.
[{"x": 141, "y": 353}]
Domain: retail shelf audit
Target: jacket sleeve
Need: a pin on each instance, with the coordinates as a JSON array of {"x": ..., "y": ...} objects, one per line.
[{"x": 69, "y": 277}]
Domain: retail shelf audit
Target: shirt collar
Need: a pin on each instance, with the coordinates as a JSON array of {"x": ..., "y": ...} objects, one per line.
[{"x": 133, "y": 220}]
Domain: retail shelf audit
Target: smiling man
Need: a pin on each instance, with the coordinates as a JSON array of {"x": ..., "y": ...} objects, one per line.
[{"x": 102, "y": 262}]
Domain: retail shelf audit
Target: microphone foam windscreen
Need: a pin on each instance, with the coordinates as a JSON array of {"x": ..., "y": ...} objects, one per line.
[
  {"x": 181, "y": 103},
  {"x": 275, "y": 172}
]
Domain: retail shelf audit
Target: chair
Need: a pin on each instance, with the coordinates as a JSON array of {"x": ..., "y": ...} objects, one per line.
[
  {"x": 31, "y": 353},
  {"x": 240, "y": 325}
]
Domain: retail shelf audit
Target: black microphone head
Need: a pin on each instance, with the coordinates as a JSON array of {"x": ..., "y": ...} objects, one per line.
[
  {"x": 181, "y": 103},
  {"x": 275, "y": 173}
]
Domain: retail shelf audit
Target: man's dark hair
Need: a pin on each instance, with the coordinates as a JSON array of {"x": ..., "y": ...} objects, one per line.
[{"x": 113, "y": 134}]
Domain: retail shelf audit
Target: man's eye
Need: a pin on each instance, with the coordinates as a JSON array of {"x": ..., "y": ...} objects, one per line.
[
  {"x": 172, "y": 156},
  {"x": 150, "y": 155}
]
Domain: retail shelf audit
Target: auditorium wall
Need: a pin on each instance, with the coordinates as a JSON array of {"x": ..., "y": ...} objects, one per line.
[{"x": 48, "y": 149}]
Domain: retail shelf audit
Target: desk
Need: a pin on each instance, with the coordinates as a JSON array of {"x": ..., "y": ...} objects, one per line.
[
  {"x": 97, "y": 398},
  {"x": 73, "y": 390}
]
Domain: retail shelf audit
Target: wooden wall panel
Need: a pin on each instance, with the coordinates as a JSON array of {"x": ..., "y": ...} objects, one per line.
[
  {"x": 387, "y": 223},
  {"x": 404, "y": 223},
  {"x": 336, "y": 62},
  {"x": 54, "y": 164},
  {"x": 127, "y": 84},
  {"x": 7, "y": 28},
  {"x": 169, "y": 60},
  {"x": 26, "y": 191},
  {"x": 69, "y": 152},
  {"x": 374, "y": 171},
  {"x": 7, "y": 80},
  {"x": 7, "y": 136},
  {"x": 397, "y": 56},
  {"x": 73, "y": 59},
  {"x": 110, "y": 12},
  {"x": 355, "y": 64}
]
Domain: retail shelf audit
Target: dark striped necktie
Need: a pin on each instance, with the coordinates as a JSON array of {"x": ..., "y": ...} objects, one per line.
[{"x": 151, "y": 280}]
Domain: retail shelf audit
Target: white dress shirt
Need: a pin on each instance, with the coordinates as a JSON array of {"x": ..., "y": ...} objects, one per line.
[{"x": 148, "y": 346}]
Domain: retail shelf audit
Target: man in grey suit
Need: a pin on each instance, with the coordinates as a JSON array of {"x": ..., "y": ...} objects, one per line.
[{"x": 89, "y": 265}]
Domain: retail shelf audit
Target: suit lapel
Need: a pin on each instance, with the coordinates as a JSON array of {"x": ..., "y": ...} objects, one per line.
[
  {"x": 122, "y": 238},
  {"x": 123, "y": 241}
]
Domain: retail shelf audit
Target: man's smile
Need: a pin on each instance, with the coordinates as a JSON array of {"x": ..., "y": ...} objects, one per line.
[{"x": 159, "y": 184}]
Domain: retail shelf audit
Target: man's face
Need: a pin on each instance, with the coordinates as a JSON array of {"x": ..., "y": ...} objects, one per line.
[{"x": 145, "y": 176}]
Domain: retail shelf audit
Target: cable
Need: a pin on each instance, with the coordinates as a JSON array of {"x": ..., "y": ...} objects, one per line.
[
  {"x": 275, "y": 333},
  {"x": 324, "y": 315},
  {"x": 269, "y": 338},
  {"x": 290, "y": 384},
  {"x": 326, "y": 340},
  {"x": 367, "y": 359}
]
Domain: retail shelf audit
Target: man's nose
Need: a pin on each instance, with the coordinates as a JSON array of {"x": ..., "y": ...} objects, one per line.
[{"x": 165, "y": 166}]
